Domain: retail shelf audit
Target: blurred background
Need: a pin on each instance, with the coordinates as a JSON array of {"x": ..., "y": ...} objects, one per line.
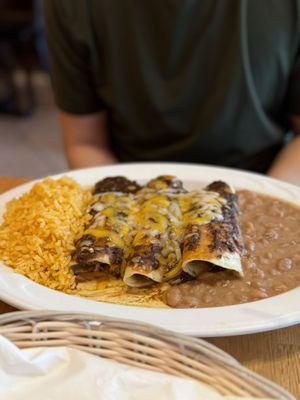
[{"x": 30, "y": 142}]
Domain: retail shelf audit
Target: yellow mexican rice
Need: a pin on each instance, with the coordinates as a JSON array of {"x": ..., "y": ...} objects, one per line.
[{"x": 39, "y": 228}]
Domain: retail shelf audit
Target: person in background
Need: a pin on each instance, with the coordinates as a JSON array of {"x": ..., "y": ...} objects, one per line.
[{"x": 214, "y": 82}]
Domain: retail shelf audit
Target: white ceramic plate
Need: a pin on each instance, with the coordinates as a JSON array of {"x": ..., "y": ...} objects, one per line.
[{"x": 272, "y": 313}]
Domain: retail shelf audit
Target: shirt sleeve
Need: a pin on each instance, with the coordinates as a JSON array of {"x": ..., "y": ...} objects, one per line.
[{"x": 71, "y": 72}]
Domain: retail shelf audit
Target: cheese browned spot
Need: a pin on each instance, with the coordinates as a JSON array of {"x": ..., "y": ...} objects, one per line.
[{"x": 227, "y": 234}]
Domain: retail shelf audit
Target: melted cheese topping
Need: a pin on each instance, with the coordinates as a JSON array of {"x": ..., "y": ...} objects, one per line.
[
  {"x": 201, "y": 207},
  {"x": 112, "y": 217},
  {"x": 109, "y": 235},
  {"x": 153, "y": 216}
]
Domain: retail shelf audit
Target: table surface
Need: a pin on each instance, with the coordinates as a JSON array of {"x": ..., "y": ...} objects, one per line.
[{"x": 275, "y": 355}]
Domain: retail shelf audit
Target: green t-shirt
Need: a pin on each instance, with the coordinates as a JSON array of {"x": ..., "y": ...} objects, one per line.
[{"x": 207, "y": 81}]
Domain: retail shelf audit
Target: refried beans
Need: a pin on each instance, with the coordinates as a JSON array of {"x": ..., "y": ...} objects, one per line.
[{"x": 271, "y": 232}]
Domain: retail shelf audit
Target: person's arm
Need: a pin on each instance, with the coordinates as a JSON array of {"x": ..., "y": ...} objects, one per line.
[
  {"x": 82, "y": 112},
  {"x": 86, "y": 139},
  {"x": 286, "y": 165}
]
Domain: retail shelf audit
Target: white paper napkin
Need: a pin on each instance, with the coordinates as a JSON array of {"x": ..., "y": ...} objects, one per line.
[{"x": 63, "y": 373}]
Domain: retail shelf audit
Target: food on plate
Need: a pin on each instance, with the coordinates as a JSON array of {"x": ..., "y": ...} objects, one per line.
[
  {"x": 271, "y": 262},
  {"x": 154, "y": 254},
  {"x": 100, "y": 251},
  {"x": 212, "y": 235},
  {"x": 39, "y": 228},
  {"x": 155, "y": 244},
  {"x": 156, "y": 232}
]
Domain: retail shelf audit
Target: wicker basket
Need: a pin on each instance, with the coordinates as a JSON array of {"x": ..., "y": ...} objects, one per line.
[{"x": 139, "y": 345}]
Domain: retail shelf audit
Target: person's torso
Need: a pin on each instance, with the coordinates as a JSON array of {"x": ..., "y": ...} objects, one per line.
[{"x": 200, "y": 81}]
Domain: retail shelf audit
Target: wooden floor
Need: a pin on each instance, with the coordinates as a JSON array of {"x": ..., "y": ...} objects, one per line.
[{"x": 32, "y": 146}]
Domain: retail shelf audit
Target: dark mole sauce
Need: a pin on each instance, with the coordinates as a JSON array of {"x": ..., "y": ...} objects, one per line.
[{"x": 116, "y": 184}]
